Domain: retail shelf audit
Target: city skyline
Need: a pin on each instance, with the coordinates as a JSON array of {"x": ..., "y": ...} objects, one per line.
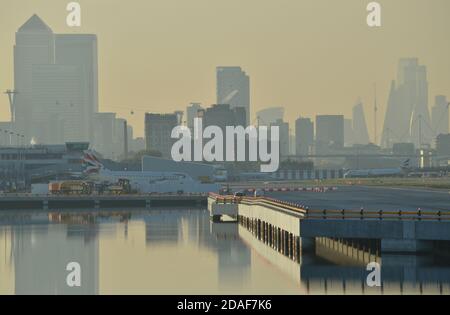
[
  {"x": 280, "y": 77},
  {"x": 224, "y": 147}
]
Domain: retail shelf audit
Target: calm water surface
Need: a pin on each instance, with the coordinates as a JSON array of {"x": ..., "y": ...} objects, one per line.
[{"x": 181, "y": 252}]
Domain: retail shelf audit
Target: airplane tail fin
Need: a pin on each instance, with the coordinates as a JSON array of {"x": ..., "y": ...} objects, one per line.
[
  {"x": 406, "y": 164},
  {"x": 91, "y": 163}
]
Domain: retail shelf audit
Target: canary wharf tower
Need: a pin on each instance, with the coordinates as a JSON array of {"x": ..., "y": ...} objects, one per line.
[{"x": 34, "y": 45}]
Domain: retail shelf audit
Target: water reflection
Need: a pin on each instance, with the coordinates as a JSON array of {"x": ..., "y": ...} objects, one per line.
[{"x": 180, "y": 251}]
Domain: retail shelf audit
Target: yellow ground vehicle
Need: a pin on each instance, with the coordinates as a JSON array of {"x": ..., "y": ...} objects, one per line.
[
  {"x": 121, "y": 187},
  {"x": 71, "y": 187}
]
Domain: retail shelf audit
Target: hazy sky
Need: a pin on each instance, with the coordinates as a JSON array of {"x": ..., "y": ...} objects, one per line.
[{"x": 310, "y": 56}]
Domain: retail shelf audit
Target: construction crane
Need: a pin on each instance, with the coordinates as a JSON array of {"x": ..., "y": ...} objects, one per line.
[{"x": 12, "y": 97}]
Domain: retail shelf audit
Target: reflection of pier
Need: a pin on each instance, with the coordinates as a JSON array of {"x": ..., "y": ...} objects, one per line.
[
  {"x": 287, "y": 265},
  {"x": 336, "y": 268},
  {"x": 231, "y": 254},
  {"x": 224, "y": 230}
]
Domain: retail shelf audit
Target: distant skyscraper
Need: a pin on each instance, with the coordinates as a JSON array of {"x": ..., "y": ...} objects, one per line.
[
  {"x": 191, "y": 113},
  {"x": 233, "y": 87},
  {"x": 104, "y": 134},
  {"x": 119, "y": 138},
  {"x": 81, "y": 50},
  {"x": 270, "y": 115},
  {"x": 158, "y": 130},
  {"x": 34, "y": 45},
  {"x": 304, "y": 136},
  {"x": 439, "y": 116},
  {"x": 361, "y": 135},
  {"x": 407, "y": 116},
  {"x": 329, "y": 133},
  {"x": 284, "y": 136}
]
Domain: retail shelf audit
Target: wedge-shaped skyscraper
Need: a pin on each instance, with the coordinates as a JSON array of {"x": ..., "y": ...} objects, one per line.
[{"x": 407, "y": 116}]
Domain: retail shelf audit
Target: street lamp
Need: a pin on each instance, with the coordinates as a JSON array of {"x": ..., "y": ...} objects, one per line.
[
  {"x": 10, "y": 137},
  {"x": 6, "y": 135}
]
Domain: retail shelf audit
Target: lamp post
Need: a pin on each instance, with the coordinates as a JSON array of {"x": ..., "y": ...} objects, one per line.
[
  {"x": 6, "y": 136},
  {"x": 10, "y": 137}
]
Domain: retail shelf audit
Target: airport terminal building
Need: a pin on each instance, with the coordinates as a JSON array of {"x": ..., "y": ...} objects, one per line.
[{"x": 20, "y": 166}]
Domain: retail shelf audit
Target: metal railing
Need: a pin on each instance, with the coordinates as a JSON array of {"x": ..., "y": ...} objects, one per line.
[
  {"x": 227, "y": 199},
  {"x": 362, "y": 214},
  {"x": 418, "y": 215}
]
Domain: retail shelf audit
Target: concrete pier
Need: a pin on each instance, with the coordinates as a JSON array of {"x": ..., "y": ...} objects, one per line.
[{"x": 289, "y": 230}]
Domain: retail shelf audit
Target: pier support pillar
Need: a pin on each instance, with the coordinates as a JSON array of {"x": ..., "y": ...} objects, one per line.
[
  {"x": 291, "y": 245},
  {"x": 279, "y": 240},
  {"x": 267, "y": 233},
  {"x": 274, "y": 237},
  {"x": 297, "y": 248},
  {"x": 259, "y": 229},
  {"x": 307, "y": 244},
  {"x": 286, "y": 243},
  {"x": 264, "y": 232}
]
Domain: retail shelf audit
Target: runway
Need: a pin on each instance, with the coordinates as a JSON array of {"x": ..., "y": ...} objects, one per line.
[{"x": 370, "y": 198}]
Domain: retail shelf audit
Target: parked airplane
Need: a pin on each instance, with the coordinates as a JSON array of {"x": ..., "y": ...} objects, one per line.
[
  {"x": 380, "y": 172},
  {"x": 146, "y": 182}
]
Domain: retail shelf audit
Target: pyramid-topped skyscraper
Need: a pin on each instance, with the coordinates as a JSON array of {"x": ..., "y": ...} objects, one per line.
[
  {"x": 35, "y": 45},
  {"x": 34, "y": 24},
  {"x": 55, "y": 76}
]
